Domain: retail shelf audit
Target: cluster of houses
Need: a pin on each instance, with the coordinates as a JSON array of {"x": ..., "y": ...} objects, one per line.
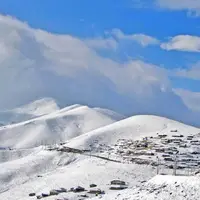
[
  {"x": 161, "y": 149},
  {"x": 81, "y": 192}
]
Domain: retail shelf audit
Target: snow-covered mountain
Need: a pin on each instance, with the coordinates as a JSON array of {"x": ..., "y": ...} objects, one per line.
[
  {"x": 58, "y": 126},
  {"x": 133, "y": 128},
  {"x": 111, "y": 140},
  {"x": 34, "y": 109}
]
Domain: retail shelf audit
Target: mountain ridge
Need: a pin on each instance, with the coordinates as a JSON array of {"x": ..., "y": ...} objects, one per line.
[{"x": 56, "y": 126}]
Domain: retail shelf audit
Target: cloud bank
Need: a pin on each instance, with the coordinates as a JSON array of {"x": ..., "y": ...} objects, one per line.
[{"x": 36, "y": 64}]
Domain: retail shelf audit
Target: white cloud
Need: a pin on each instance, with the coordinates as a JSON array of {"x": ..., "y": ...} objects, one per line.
[
  {"x": 191, "y": 99},
  {"x": 102, "y": 43},
  {"x": 193, "y": 72},
  {"x": 183, "y": 43},
  {"x": 142, "y": 39},
  {"x": 188, "y": 5},
  {"x": 34, "y": 64}
]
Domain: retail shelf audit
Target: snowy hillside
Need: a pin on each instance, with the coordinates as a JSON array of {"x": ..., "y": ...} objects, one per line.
[
  {"x": 162, "y": 187},
  {"x": 57, "y": 126},
  {"x": 133, "y": 128},
  {"x": 97, "y": 153},
  {"x": 29, "y": 111},
  {"x": 43, "y": 171},
  {"x": 145, "y": 140}
]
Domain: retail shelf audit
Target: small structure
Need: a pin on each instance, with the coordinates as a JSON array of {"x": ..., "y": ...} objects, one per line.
[
  {"x": 78, "y": 189},
  {"x": 174, "y": 131},
  {"x": 148, "y": 153},
  {"x": 93, "y": 185},
  {"x": 169, "y": 159},
  {"x": 183, "y": 145},
  {"x": 176, "y": 140},
  {"x": 61, "y": 190},
  {"x": 166, "y": 141},
  {"x": 195, "y": 152},
  {"x": 82, "y": 195},
  {"x": 160, "y": 150},
  {"x": 165, "y": 155},
  {"x": 162, "y": 136},
  {"x": 178, "y": 136},
  {"x": 117, "y": 182},
  {"x": 45, "y": 194},
  {"x": 31, "y": 194},
  {"x": 190, "y": 137},
  {"x": 169, "y": 152},
  {"x": 96, "y": 191},
  {"x": 118, "y": 187},
  {"x": 53, "y": 192}
]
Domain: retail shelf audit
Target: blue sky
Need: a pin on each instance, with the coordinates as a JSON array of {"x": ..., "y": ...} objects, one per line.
[
  {"x": 131, "y": 56},
  {"x": 88, "y": 18},
  {"x": 66, "y": 17}
]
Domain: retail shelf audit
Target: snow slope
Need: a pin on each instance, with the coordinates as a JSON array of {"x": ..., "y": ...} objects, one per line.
[
  {"x": 133, "y": 128},
  {"x": 27, "y": 167},
  {"x": 29, "y": 111},
  {"x": 58, "y": 126},
  {"x": 162, "y": 187},
  {"x": 75, "y": 171},
  {"x": 19, "y": 176}
]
